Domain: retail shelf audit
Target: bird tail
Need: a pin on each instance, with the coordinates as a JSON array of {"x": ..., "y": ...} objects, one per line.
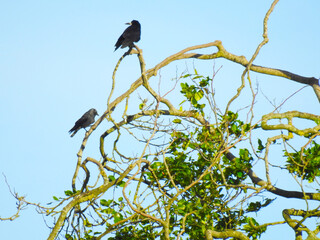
[
  {"x": 73, "y": 131},
  {"x": 119, "y": 42}
]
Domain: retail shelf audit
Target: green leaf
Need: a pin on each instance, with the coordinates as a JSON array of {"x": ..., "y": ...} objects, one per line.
[
  {"x": 106, "y": 203},
  {"x": 69, "y": 237},
  {"x": 117, "y": 217},
  {"x": 234, "y": 128},
  {"x": 246, "y": 127},
  {"x": 177, "y": 120},
  {"x": 196, "y": 77},
  {"x": 111, "y": 178},
  {"x": 260, "y": 145},
  {"x": 187, "y": 75},
  {"x": 87, "y": 223},
  {"x": 198, "y": 95},
  {"x": 239, "y": 174},
  {"x": 68, "y": 193},
  {"x": 141, "y": 106},
  {"x": 121, "y": 184}
]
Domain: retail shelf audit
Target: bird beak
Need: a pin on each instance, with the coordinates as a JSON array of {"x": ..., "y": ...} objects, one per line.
[{"x": 128, "y": 23}]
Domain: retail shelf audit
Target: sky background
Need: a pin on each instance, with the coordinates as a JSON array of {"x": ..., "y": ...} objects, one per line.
[{"x": 57, "y": 58}]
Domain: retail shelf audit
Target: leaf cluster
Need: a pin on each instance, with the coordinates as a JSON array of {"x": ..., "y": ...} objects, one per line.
[{"x": 305, "y": 163}]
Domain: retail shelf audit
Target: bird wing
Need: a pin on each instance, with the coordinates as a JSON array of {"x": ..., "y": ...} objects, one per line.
[
  {"x": 125, "y": 38},
  {"x": 127, "y": 32},
  {"x": 119, "y": 42},
  {"x": 79, "y": 123},
  {"x": 131, "y": 35}
]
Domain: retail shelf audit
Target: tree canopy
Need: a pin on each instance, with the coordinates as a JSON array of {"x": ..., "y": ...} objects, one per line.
[{"x": 176, "y": 165}]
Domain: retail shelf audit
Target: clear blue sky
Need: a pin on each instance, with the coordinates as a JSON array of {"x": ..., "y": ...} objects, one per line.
[{"x": 56, "y": 62}]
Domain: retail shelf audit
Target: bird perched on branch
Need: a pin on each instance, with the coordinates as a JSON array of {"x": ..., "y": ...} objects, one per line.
[
  {"x": 86, "y": 120},
  {"x": 130, "y": 35}
]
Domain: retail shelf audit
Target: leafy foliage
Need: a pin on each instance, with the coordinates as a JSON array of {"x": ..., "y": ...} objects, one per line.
[
  {"x": 305, "y": 163},
  {"x": 187, "y": 184},
  {"x": 253, "y": 228}
]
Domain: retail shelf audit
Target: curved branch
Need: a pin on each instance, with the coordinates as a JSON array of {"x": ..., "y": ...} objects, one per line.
[
  {"x": 222, "y": 53},
  {"x": 290, "y": 127},
  {"x": 211, "y": 234},
  {"x": 248, "y": 67},
  {"x": 82, "y": 197},
  {"x": 133, "y": 117},
  {"x": 20, "y": 204},
  {"x": 278, "y": 191},
  {"x": 296, "y": 225}
]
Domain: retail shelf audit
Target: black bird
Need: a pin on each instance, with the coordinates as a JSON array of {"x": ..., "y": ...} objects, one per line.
[
  {"x": 86, "y": 120},
  {"x": 130, "y": 35}
]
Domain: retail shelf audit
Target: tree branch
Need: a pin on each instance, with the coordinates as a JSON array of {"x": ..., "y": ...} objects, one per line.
[
  {"x": 211, "y": 234},
  {"x": 222, "y": 53},
  {"x": 290, "y": 127},
  {"x": 278, "y": 191},
  {"x": 85, "y": 197}
]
